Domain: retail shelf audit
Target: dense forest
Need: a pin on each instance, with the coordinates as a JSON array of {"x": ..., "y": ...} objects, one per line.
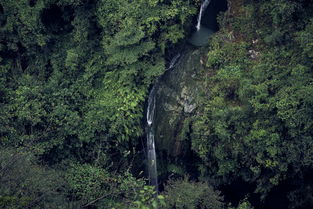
[{"x": 74, "y": 87}]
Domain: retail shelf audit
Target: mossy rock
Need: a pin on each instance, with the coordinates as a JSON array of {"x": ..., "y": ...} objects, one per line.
[{"x": 176, "y": 98}]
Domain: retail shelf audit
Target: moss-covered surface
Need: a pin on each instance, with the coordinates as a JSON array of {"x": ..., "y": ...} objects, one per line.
[{"x": 177, "y": 94}]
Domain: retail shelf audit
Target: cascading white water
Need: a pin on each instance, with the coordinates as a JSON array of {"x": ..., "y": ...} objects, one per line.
[
  {"x": 152, "y": 167},
  {"x": 151, "y": 155},
  {"x": 173, "y": 61},
  {"x": 151, "y": 107},
  {"x": 203, "y": 7}
]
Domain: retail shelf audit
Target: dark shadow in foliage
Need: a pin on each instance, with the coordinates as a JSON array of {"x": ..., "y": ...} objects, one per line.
[
  {"x": 32, "y": 3},
  {"x": 57, "y": 20},
  {"x": 237, "y": 191},
  {"x": 277, "y": 197},
  {"x": 21, "y": 58},
  {"x": 2, "y": 17},
  {"x": 209, "y": 18},
  {"x": 293, "y": 193}
]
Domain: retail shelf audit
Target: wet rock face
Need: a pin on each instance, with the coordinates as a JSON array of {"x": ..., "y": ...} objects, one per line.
[
  {"x": 176, "y": 103},
  {"x": 187, "y": 100}
]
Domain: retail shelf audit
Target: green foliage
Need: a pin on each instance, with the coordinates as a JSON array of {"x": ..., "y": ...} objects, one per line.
[
  {"x": 73, "y": 80},
  {"x": 74, "y": 77},
  {"x": 25, "y": 184},
  {"x": 132, "y": 51},
  {"x": 305, "y": 39},
  {"x": 257, "y": 111},
  {"x": 87, "y": 182},
  {"x": 76, "y": 73},
  {"x": 185, "y": 194},
  {"x": 244, "y": 204},
  {"x": 148, "y": 199},
  {"x": 94, "y": 186}
]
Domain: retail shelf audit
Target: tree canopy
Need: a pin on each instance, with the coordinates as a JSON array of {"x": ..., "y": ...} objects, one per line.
[{"x": 75, "y": 76}]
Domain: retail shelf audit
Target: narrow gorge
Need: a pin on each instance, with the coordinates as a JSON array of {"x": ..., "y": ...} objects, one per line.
[
  {"x": 156, "y": 104},
  {"x": 173, "y": 100}
]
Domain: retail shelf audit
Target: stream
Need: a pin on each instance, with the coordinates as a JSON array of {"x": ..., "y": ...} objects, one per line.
[{"x": 198, "y": 38}]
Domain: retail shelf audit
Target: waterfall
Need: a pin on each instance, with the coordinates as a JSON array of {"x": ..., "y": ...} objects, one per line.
[
  {"x": 151, "y": 107},
  {"x": 204, "y": 5},
  {"x": 151, "y": 155},
  {"x": 152, "y": 167},
  {"x": 173, "y": 61}
]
